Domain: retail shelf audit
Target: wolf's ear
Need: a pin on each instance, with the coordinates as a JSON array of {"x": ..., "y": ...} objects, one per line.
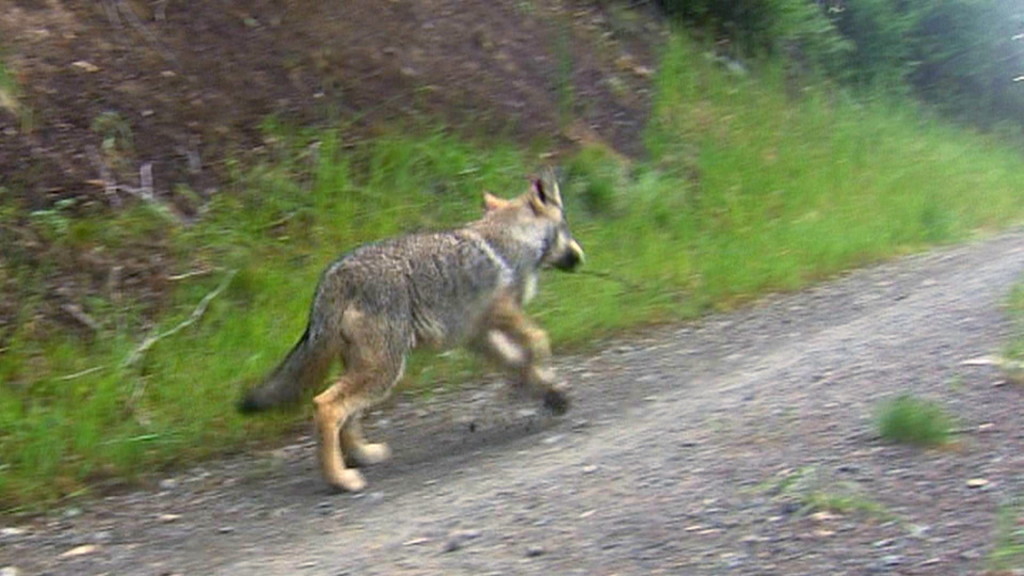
[
  {"x": 545, "y": 190},
  {"x": 492, "y": 202}
]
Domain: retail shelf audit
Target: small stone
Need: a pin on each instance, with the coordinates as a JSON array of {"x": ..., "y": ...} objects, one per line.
[
  {"x": 11, "y": 531},
  {"x": 590, "y": 469},
  {"x": 535, "y": 551},
  {"x": 80, "y": 551},
  {"x": 168, "y": 484},
  {"x": 307, "y": 565},
  {"x": 970, "y": 555},
  {"x": 977, "y": 483},
  {"x": 823, "y": 516},
  {"x": 72, "y": 512},
  {"x": 892, "y": 560},
  {"x": 168, "y": 518},
  {"x": 86, "y": 66},
  {"x": 10, "y": 571},
  {"x": 555, "y": 439},
  {"x": 983, "y": 361},
  {"x": 789, "y": 508},
  {"x": 452, "y": 545},
  {"x": 226, "y": 529}
]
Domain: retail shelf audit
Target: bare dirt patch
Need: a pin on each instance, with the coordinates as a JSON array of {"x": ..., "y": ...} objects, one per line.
[{"x": 186, "y": 83}]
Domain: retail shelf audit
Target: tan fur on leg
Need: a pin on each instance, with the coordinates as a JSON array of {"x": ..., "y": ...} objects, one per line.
[
  {"x": 355, "y": 446},
  {"x": 332, "y": 410}
]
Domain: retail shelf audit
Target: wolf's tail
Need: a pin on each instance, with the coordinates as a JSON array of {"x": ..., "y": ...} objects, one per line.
[{"x": 305, "y": 366}]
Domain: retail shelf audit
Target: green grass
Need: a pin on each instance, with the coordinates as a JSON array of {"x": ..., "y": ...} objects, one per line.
[
  {"x": 813, "y": 494},
  {"x": 1014, "y": 347},
  {"x": 907, "y": 419},
  {"x": 745, "y": 191},
  {"x": 9, "y": 90},
  {"x": 1007, "y": 555}
]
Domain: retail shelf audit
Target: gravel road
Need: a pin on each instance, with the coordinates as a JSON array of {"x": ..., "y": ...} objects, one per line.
[{"x": 740, "y": 444}]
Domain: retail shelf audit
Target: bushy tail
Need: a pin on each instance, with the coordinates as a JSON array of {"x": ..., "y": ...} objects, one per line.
[{"x": 305, "y": 366}]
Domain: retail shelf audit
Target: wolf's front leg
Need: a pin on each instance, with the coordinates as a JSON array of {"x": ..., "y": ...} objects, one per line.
[
  {"x": 539, "y": 376},
  {"x": 522, "y": 348}
]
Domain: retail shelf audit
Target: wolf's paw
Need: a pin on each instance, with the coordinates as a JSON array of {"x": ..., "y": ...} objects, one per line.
[
  {"x": 368, "y": 454},
  {"x": 556, "y": 400},
  {"x": 348, "y": 480}
]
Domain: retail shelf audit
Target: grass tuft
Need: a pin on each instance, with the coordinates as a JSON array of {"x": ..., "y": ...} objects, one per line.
[
  {"x": 910, "y": 420},
  {"x": 1007, "y": 554}
]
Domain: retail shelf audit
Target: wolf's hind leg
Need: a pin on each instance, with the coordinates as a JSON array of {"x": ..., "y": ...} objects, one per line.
[
  {"x": 334, "y": 407},
  {"x": 374, "y": 357},
  {"x": 356, "y": 448}
]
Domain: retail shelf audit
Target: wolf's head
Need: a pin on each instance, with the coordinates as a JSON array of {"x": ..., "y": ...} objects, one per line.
[{"x": 537, "y": 218}]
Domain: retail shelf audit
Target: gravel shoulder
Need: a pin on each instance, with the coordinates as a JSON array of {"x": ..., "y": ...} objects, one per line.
[{"x": 704, "y": 448}]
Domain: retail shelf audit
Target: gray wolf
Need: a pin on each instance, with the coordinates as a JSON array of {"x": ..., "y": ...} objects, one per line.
[{"x": 462, "y": 287}]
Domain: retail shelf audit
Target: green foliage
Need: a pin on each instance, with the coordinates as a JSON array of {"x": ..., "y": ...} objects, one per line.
[
  {"x": 764, "y": 27},
  {"x": 877, "y": 31},
  {"x": 960, "y": 55},
  {"x": 910, "y": 420},
  {"x": 597, "y": 180}
]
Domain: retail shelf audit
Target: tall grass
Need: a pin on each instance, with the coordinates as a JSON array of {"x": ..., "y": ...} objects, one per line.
[{"x": 746, "y": 190}]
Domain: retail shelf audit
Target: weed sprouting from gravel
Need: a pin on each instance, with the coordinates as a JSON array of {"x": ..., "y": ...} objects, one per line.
[
  {"x": 1008, "y": 553},
  {"x": 809, "y": 490},
  {"x": 908, "y": 419}
]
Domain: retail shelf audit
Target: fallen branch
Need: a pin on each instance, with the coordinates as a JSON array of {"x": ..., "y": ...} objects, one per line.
[
  {"x": 85, "y": 372},
  {"x": 76, "y": 312},
  {"x": 192, "y": 274},
  {"x": 197, "y": 313}
]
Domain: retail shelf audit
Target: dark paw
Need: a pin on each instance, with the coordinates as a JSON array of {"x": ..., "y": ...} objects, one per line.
[{"x": 557, "y": 401}]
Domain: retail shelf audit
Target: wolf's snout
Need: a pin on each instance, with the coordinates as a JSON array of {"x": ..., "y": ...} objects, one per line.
[{"x": 572, "y": 258}]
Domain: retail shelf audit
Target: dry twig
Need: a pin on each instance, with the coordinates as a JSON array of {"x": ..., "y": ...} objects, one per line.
[{"x": 197, "y": 313}]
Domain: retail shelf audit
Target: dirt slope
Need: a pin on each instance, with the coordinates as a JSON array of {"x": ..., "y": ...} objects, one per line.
[
  {"x": 117, "y": 100},
  {"x": 695, "y": 449},
  {"x": 106, "y": 87}
]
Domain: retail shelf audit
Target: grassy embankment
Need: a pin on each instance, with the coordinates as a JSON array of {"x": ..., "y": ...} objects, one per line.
[{"x": 746, "y": 191}]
